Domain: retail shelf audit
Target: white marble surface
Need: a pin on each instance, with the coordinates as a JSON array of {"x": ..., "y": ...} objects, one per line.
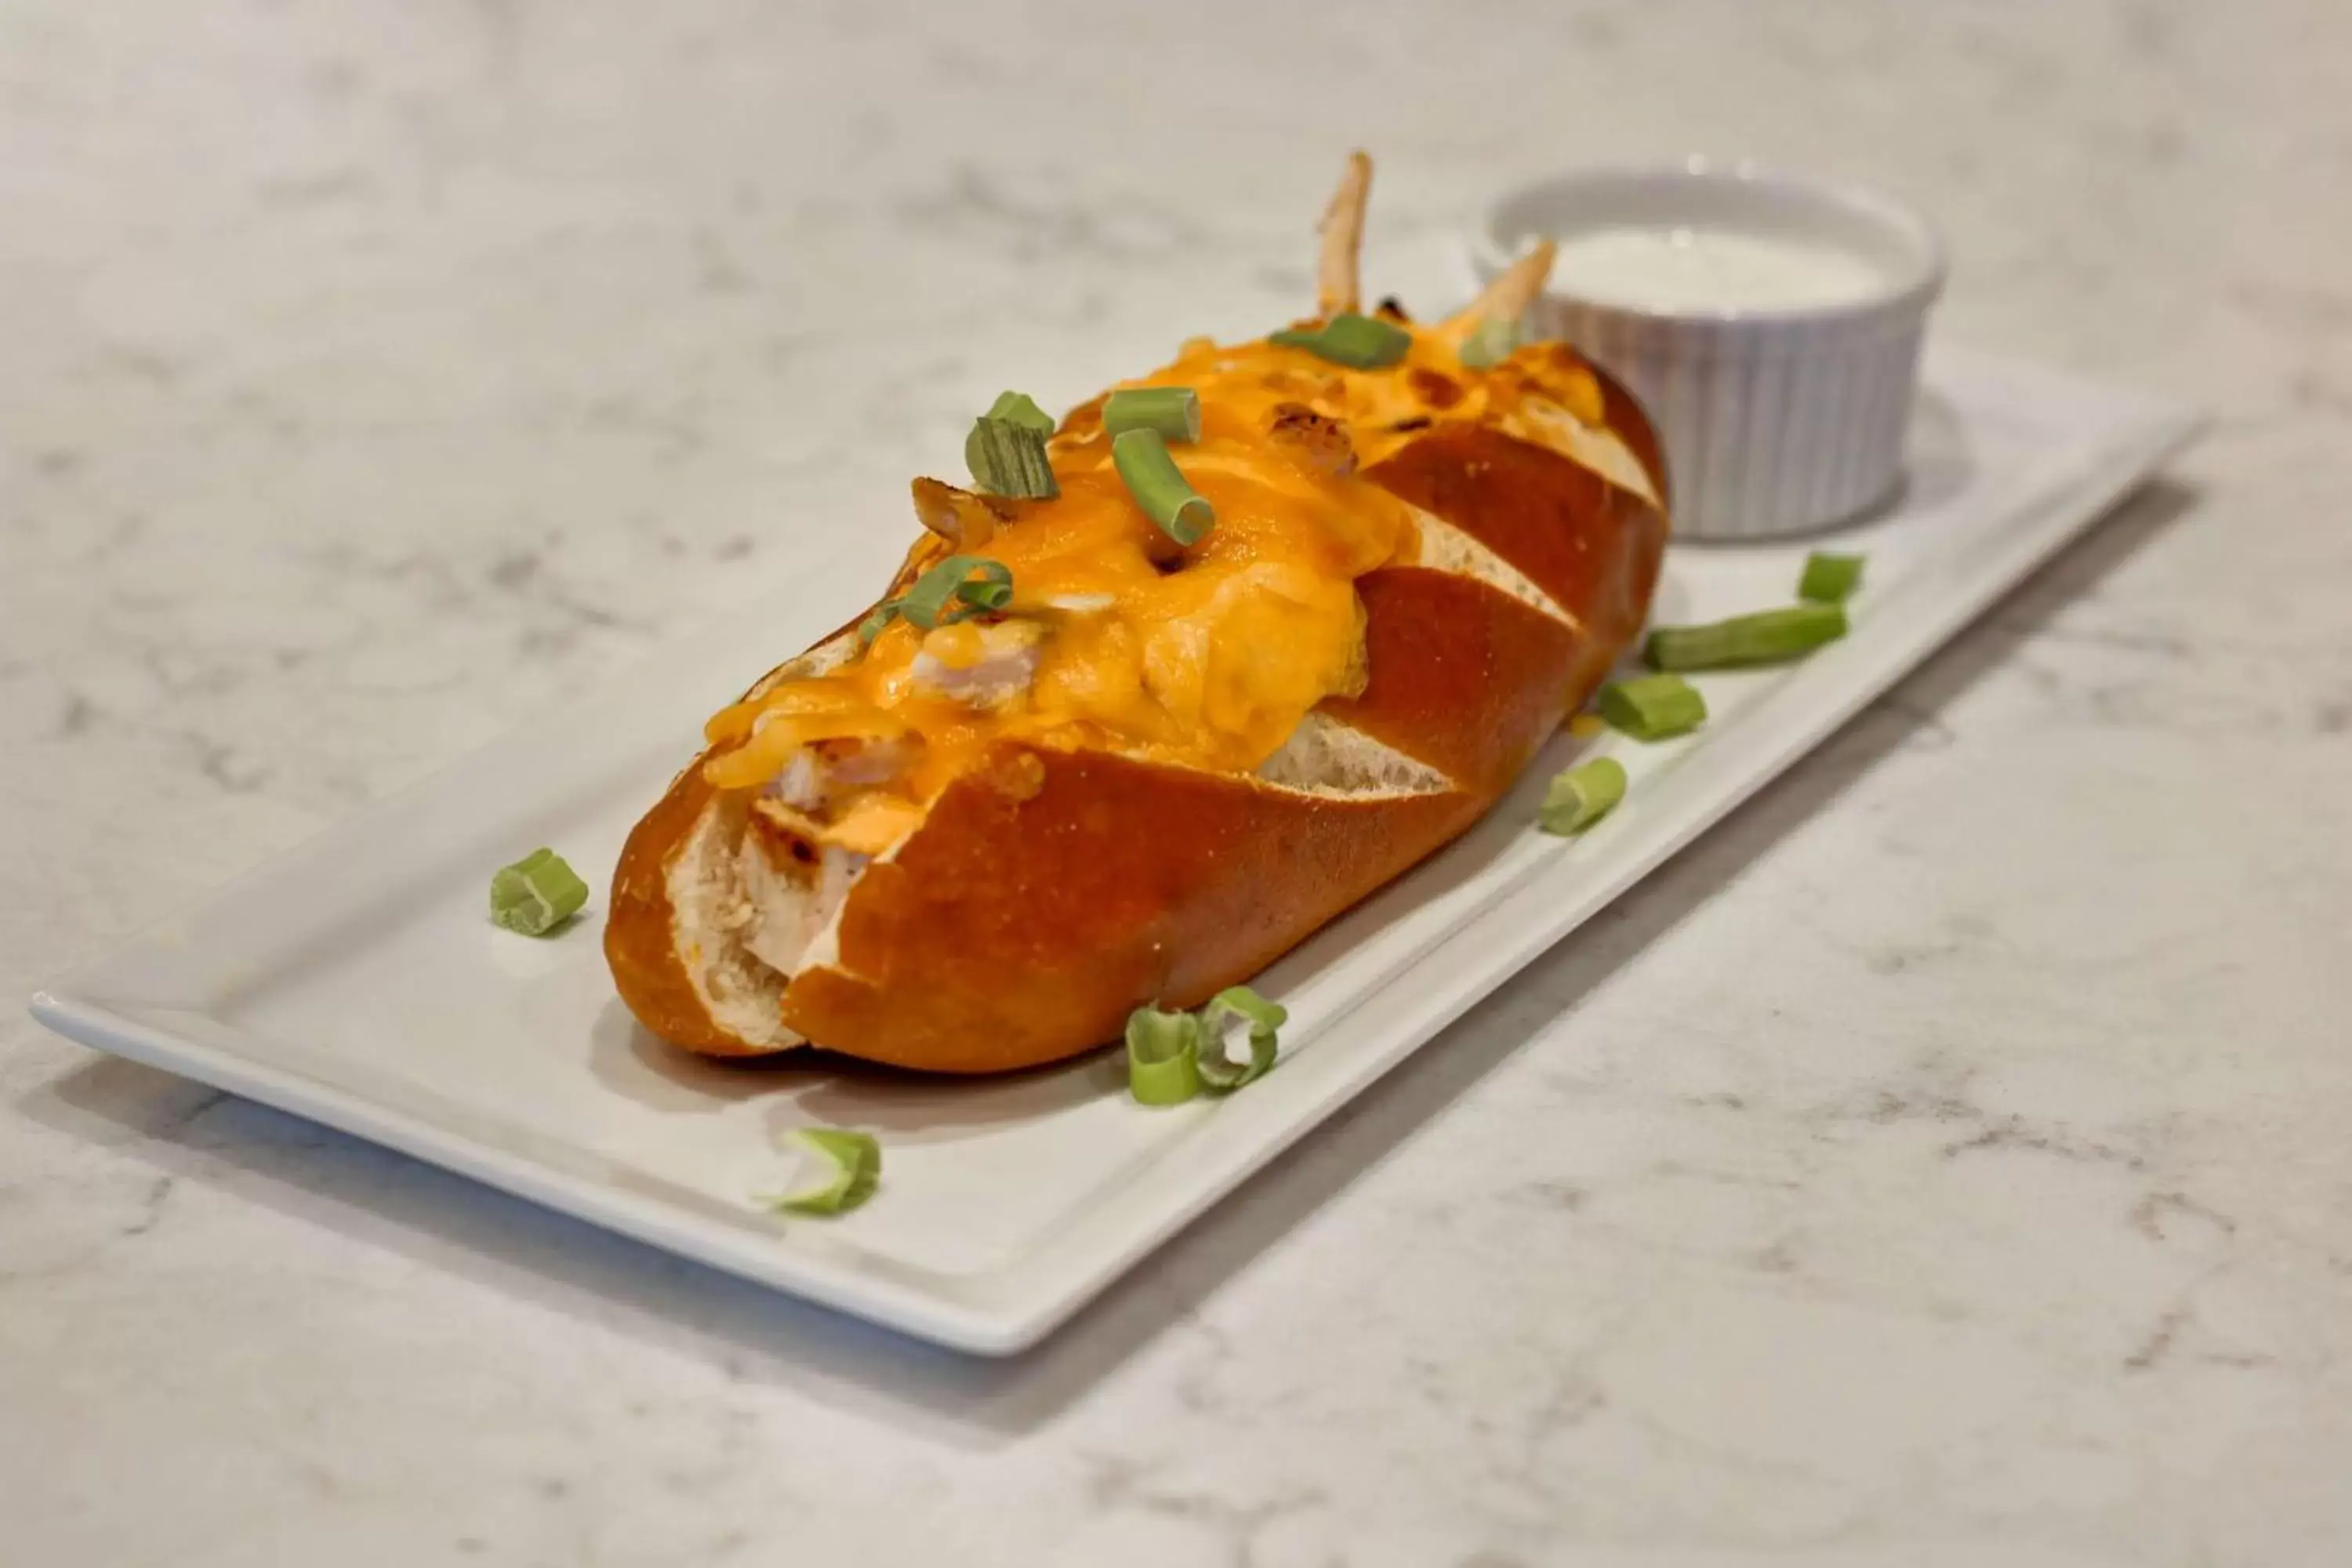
[{"x": 1948, "y": 1162}]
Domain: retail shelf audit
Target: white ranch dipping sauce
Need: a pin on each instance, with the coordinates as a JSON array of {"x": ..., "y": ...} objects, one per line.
[{"x": 1673, "y": 269}]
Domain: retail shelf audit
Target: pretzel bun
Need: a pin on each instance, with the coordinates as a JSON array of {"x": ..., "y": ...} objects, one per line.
[{"x": 1039, "y": 869}]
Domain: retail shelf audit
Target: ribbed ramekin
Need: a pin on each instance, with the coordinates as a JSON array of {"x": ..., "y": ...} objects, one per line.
[{"x": 1774, "y": 421}]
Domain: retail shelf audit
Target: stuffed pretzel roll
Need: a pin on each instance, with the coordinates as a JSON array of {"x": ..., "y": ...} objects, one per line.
[{"x": 1121, "y": 744}]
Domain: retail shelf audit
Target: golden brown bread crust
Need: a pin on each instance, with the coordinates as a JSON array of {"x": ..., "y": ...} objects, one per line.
[
  {"x": 1018, "y": 926},
  {"x": 1008, "y": 928},
  {"x": 1591, "y": 545},
  {"x": 1463, "y": 677},
  {"x": 1624, "y": 416},
  {"x": 1472, "y": 686}
]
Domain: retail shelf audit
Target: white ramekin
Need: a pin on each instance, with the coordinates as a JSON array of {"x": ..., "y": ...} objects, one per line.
[{"x": 1773, "y": 422}]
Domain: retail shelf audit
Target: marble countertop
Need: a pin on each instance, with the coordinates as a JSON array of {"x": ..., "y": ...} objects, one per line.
[{"x": 1890, "y": 1179}]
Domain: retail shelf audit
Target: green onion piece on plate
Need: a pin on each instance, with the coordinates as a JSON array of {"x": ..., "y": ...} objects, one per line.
[
  {"x": 1492, "y": 343},
  {"x": 1830, "y": 578},
  {"x": 1220, "y": 1074},
  {"x": 1360, "y": 342},
  {"x": 1159, "y": 487},
  {"x": 1583, "y": 794},
  {"x": 857, "y": 1162},
  {"x": 1173, "y": 411},
  {"x": 1653, "y": 707},
  {"x": 1163, "y": 1057},
  {"x": 927, "y": 604},
  {"x": 1020, "y": 408},
  {"x": 1768, "y": 636},
  {"x": 535, "y": 894},
  {"x": 1008, "y": 458}
]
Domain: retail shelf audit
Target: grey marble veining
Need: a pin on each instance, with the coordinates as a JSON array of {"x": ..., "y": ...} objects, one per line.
[{"x": 1942, "y": 1163}]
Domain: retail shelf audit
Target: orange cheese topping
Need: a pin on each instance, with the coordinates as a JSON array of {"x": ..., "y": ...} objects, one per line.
[{"x": 1112, "y": 641}]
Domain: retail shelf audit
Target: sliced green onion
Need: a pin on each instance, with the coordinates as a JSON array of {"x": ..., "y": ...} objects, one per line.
[
  {"x": 1653, "y": 707},
  {"x": 993, "y": 592},
  {"x": 1360, "y": 342},
  {"x": 1830, "y": 578},
  {"x": 1163, "y": 1057},
  {"x": 1582, "y": 795},
  {"x": 1020, "y": 408},
  {"x": 535, "y": 894},
  {"x": 1220, "y": 1074},
  {"x": 1766, "y": 638},
  {"x": 1492, "y": 343},
  {"x": 1008, "y": 458},
  {"x": 1173, "y": 411},
  {"x": 1159, "y": 487},
  {"x": 878, "y": 620},
  {"x": 857, "y": 1162},
  {"x": 926, "y": 603}
]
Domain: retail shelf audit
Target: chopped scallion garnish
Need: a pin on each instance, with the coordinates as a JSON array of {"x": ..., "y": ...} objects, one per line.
[
  {"x": 1767, "y": 636},
  {"x": 1163, "y": 1057},
  {"x": 1220, "y": 1074},
  {"x": 1020, "y": 408},
  {"x": 1583, "y": 794},
  {"x": 1171, "y": 1056},
  {"x": 1830, "y": 578},
  {"x": 535, "y": 894},
  {"x": 943, "y": 593},
  {"x": 1173, "y": 411},
  {"x": 1653, "y": 707},
  {"x": 926, "y": 603},
  {"x": 993, "y": 592},
  {"x": 1007, "y": 457},
  {"x": 1159, "y": 487},
  {"x": 857, "y": 1162},
  {"x": 1495, "y": 340},
  {"x": 1360, "y": 342}
]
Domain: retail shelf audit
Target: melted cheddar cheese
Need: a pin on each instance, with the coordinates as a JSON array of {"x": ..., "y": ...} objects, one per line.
[{"x": 1113, "y": 642}]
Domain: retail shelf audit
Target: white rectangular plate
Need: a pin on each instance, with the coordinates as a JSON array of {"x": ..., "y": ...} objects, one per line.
[{"x": 357, "y": 982}]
